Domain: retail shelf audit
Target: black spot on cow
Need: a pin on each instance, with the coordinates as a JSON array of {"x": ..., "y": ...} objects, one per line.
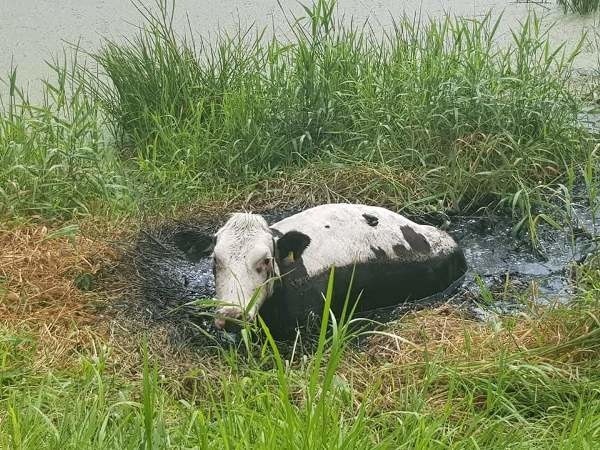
[
  {"x": 416, "y": 240},
  {"x": 327, "y": 226},
  {"x": 379, "y": 252},
  {"x": 292, "y": 241},
  {"x": 372, "y": 221}
]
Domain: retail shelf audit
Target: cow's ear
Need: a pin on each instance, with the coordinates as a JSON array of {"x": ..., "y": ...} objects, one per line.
[
  {"x": 196, "y": 245},
  {"x": 291, "y": 245}
]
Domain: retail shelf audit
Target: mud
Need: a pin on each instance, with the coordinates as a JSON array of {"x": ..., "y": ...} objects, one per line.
[
  {"x": 170, "y": 285},
  {"x": 172, "y": 279}
]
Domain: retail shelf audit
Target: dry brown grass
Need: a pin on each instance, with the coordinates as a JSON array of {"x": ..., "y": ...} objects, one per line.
[
  {"x": 400, "y": 357},
  {"x": 39, "y": 272},
  {"x": 383, "y": 186},
  {"x": 446, "y": 331},
  {"x": 39, "y": 297},
  {"x": 38, "y": 294},
  {"x": 316, "y": 184}
]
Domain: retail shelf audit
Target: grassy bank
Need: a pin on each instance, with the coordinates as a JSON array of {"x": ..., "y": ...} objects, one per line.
[
  {"x": 429, "y": 116},
  {"x": 457, "y": 121},
  {"x": 435, "y": 380}
]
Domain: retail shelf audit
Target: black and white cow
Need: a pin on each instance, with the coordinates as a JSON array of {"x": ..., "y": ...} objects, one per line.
[{"x": 284, "y": 268}]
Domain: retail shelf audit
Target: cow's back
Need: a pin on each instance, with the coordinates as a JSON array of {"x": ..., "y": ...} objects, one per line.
[
  {"x": 390, "y": 258},
  {"x": 344, "y": 234}
]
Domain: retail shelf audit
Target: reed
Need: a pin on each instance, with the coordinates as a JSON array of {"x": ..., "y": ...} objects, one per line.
[
  {"x": 582, "y": 7},
  {"x": 171, "y": 119}
]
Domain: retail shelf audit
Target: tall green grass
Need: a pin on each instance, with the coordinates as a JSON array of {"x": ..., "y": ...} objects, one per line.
[
  {"x": 56, "y": 158},
  {"x": 582, "y": 7},
  {"x": 478, "y": 124},
  {"x": 547, "y": 396},
  {"x": 247, "y": 103}
]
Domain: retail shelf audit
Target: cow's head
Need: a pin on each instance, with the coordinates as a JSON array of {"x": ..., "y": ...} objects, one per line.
[{"x": 247, "y": 257}]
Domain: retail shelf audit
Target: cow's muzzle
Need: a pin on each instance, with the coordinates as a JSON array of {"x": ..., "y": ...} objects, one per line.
[{"x": 227, "y": 317}]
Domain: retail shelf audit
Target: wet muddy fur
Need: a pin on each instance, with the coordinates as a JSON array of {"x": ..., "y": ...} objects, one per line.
[{"x": 374, "y": 285}]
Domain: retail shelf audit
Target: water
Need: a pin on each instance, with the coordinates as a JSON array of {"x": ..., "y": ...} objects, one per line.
[
  {"x": 33, "y": 31},
  {"x": 171, "y": 276}
]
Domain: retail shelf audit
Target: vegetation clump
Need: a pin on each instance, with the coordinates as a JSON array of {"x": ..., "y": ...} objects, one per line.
[
  {"x": 582, "y": 7},
  {"x": 470, "y": 122}
]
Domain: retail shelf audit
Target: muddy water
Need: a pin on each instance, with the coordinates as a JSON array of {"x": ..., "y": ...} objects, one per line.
[
  {"x": 499, "y": 262},
  {"x": 31, "y": 31},
  {"x": 506, "y": 265}
]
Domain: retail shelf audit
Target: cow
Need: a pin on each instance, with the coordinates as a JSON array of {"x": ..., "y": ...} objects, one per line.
[{"x": 281, "y": 271}]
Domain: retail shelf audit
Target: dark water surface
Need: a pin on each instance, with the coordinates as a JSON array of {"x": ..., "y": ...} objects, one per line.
[{"x": 171, "y": 275}]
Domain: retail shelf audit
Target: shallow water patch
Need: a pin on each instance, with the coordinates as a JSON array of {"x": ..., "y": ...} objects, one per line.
[{"x": 172, "y": 277}]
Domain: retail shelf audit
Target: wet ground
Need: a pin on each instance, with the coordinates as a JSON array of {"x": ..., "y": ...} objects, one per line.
[
  {"x": 504, "y": 263},
  {"x": 171, "y": 276}
]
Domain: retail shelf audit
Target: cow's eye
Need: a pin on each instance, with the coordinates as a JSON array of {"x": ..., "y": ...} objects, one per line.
[{"x": 263, "y": 264}]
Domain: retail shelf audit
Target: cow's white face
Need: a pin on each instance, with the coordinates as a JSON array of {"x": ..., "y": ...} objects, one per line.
[
  {"x": 245, "y": 258},
  {"x": 244, "y": 266}
]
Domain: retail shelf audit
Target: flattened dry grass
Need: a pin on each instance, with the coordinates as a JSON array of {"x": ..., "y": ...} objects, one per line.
[
  {"x": 449, "y": 333},
  {"x": 40, "y": 270},
  {"x": 355, "y": 183},
  {"x": 450, "y": 359},
  {"x": 58, "y": 286},
  {"x": 306, "y": 187},
  {"x": 40, "y": 267}
]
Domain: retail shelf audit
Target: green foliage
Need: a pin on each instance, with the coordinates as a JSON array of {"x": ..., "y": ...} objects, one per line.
[
  {"x": 171, "y": 119},
  {"x": 54, "y": 157},
  {"x": 543, "y": 397},
  {"x": 245, "y": 103},
  {"x": 582, "y": 7}
]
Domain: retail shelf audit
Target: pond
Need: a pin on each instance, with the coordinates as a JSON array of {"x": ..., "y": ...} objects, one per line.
[
  {"x": 170, "y": 277},
  {"x": 33, "y": 31}
]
